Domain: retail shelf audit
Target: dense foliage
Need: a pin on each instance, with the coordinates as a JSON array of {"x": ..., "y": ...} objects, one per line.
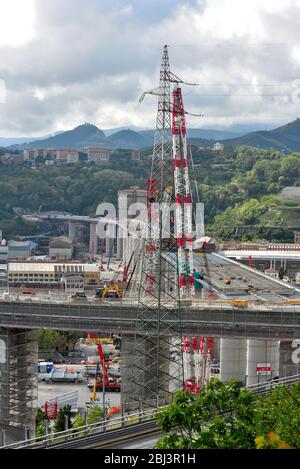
[
  {"x": 238, "y": 187},
  {"x": 53, "y": 340},
  {"x": 224, "y": 416},
  {"x": 77, "y": 189}
]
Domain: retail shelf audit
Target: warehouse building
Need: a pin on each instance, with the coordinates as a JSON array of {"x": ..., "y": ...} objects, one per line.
[
  {"x": 50, "y": 274},
  {"x": 61, "y": 248}
]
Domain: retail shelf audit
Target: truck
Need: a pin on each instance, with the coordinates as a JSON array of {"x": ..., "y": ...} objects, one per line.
[
  {"x": 102, "y": 379},
  {"x": 110, "y": 384},
  {"x": 78, "y": 297}
]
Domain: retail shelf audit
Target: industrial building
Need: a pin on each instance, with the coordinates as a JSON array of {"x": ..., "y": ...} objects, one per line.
[
  {"x": 288, "y": 259},
  {"x": 16, "y": 250},
  {"x": 61, "y": 248},
  {"x": 73, "y": 282},
  {"x": 49, "y": 274}
]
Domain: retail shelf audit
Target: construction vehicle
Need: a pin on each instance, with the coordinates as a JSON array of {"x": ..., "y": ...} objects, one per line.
[
  {"x": 78, "y": 296},
  {"x": 107, "y": 292},
  {"x": 111, "y": 385},
  {"x": 102, "y": 381},
  {"x": 98, "y": 294}
]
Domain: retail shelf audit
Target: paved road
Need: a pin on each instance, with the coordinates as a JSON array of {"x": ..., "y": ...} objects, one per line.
[
  {"x": 139, "y": 442},
  {"x": 50, "y": 391}
]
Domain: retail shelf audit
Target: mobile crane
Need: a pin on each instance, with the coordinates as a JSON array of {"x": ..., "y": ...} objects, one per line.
[{"x": 102, "y": 380}]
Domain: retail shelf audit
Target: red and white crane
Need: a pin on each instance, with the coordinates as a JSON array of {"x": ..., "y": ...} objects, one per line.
[{"x": 182, "y": 198}]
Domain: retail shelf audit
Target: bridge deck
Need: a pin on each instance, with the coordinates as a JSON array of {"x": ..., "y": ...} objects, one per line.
[{"x": 214, "y": 319}]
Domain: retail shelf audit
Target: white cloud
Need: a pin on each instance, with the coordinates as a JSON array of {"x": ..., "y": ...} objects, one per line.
[
  {"x": 17, "y": 19},
  {"x": 90, "y": 61}
]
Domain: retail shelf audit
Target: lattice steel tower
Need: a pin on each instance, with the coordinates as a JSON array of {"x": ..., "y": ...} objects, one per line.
[{"x": 158, "y": 360}]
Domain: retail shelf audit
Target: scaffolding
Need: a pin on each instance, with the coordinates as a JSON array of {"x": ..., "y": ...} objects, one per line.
[{"x": 18, "y": 378}]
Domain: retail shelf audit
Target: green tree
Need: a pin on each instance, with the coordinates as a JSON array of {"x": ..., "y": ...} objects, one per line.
[
  {"x": 226, "y": 416},
  {"x": 48, "y": 339},
  {"x": 40, "y": 419},
  {"x": 59, "y": 424},
  {"x": 279, "y": 412},
  {"x": 221, "y": 416},
  {"x": 95, "y": 414},
  {"x": 78, "y": 422}
]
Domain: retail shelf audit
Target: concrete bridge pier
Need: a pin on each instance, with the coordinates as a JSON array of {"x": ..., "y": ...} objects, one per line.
[
  {"x": 233, "y": 359},
  {"x": 108, "y": 249},
  {"x": 260, "y": 352},
  {"x": 241, "y": 358},
  {"x": 72, "y": 229},
  {"x": 93, "y": 240},
  {"x": 127, "y": 359},
  {"x": 18, "y": 378},
  {"x": 139, "y": 379}
]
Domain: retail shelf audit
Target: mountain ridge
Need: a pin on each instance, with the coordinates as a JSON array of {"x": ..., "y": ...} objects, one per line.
[{"x": 285, "y": 138}]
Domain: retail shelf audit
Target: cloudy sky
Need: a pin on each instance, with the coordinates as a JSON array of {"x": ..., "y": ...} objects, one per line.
[{"x": 64, "y": 62}]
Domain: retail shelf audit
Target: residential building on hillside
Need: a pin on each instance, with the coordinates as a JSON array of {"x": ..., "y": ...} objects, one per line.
[
  {"x": 67, "y": 156},
  {"x": 98, "y": 155},
  {"x": 136, "y": 155},
  {"x": 218, "y": 146}
]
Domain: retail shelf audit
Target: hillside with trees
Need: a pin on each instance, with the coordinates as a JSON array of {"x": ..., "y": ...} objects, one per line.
[{"x": 238, "y": 186}]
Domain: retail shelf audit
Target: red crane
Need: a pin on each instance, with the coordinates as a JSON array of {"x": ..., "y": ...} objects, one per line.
[{"x": 108, "y": 383}]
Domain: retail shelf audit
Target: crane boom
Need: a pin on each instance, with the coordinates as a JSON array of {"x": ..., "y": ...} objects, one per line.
[
  {"x": 182, "y": 198},
  {"x": 102, "y": 363}
]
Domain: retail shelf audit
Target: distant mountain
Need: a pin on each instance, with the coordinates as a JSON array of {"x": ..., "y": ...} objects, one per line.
[
  {"x": 89, "y": 135},
  {"x": 129, "y": 139},
  {"x": 206, "y": 134},
  {"x": 285, "y": 138},
  {"x": 81, "y": 136},
  {"x": 109, "y": 132},
  {"x": 8, "y": 141}
]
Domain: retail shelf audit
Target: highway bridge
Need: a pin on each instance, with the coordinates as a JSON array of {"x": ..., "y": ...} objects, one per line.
[{"x": 261, "y": 321}]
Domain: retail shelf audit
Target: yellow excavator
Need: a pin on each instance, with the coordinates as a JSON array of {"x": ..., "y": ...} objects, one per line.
[{"x": 108, "y": 292}]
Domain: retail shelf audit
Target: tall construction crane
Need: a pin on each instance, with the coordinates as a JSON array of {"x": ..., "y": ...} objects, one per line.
[
  {"x": 166, "y": 258},
  {"x": 182, "y": 198}
]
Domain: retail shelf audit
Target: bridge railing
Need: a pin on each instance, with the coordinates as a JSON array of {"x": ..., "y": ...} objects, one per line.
[
  {"x": 85, "y": 430},
  {"x": 266, "y": 386},
  {"x": 124, "y": 421}
]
